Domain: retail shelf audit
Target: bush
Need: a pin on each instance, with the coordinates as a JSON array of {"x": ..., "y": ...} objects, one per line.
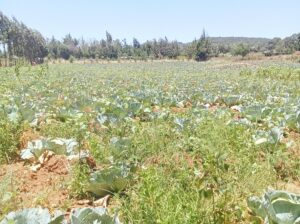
[
  {"x": 80, "y": 179},
  {"x": 241, "y": 50},
  {"x": 71, "y": 59}
]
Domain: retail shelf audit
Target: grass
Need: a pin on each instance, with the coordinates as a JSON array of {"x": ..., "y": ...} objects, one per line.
[
  {"x": 181, "y": 189},
  {"x": 8, "y": 195}
]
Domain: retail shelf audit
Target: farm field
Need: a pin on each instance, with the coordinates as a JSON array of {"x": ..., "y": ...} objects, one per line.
[{"x": 156, "y": 142}]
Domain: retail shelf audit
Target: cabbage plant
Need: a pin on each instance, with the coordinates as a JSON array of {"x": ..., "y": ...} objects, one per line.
[
  {"x": 33, "y": 216},
  {"x": 277, "y": 207}
]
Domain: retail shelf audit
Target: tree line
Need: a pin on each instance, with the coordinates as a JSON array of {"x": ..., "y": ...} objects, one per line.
[
  {"x": 19, "y": 42},
  {"x": 109, "y": 48}
]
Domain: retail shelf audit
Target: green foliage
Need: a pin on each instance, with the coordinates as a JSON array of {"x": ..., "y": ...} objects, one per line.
[
  {"x": 277, "y": 207},
  {"x": 33, "y": 215},
  {"x": 80, "y": 179},
  {"x": 8, "y": 194},
  {"x": 21, "y": 41},
  {"x": 59, "y": 130},
  {"x": 273, "y": 72},
  {"x": 205, "y": 183},
  {"x": 241, "y": 50},
  {"x": 203, "y": 136},
  {"x": 200, "y": 50},
  {"x": 9, "y": 139},
  {"x": 71, "y": 59},
  {"x": 77, "y": 216},
  {"x": 203, "y": 48},
  {"x": 91, "y": 216},
  {"x": 109, "y": 181},
  {"x": 59, "y": 146}
]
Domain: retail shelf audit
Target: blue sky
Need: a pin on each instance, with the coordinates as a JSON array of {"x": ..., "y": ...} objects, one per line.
[{"x": 182, "y": 20}]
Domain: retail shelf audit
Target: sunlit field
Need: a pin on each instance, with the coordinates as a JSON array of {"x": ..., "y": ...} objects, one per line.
[{"x": 168, "y": 142}]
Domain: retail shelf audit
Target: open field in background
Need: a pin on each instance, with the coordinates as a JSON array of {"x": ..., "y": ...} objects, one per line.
[{"x": 174, "y": 141}]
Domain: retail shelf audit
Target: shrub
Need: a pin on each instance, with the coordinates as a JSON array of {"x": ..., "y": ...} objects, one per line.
[
  {"x": 80, "y": 179},
  {"x": 9, "y": 140},
  {"x": 71, "y": 59},
  {"x": 241, "y": 49}
]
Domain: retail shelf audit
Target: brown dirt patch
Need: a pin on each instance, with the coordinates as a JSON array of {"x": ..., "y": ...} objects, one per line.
[
  {"x": 293, "y": 187},
  {"x": 156, "y": 109},
  {"x": 178, "y": 110},
  {"x": 294, "y": 138},
  {"x": 186, "y": 107},
  {"x": 182, "y": 159},
  {"x": 188, "y": 104},
  {"x": 237, "y": 116},
  {"x": 155, "y": 160},
  {"x": 212, "y": 108},
  {"x": 95, "y": 127},
  {"x": 296, "y": 53},
  {"x": 47, "y": 187}
]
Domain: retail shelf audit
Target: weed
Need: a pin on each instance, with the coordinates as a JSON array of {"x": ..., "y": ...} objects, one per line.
[
  {"x": 9, "y": 140},
  {"x": 8, "y": 195},
  {"x": 80, "y": 178}
]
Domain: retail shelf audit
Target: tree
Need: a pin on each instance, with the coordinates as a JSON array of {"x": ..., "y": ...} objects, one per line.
[
  {"x": 35, "y": 47},
  {"x": 298, "y": 43},
  {"x": 19, "y": 41},
  {"x": 117, "y": 46},
  {"x": 241, "y": 49},
  {"x": 108, "y": 38},
  {"x": 64, "y": 52},
  {"x": 175, "y": 51},
  {"x": 202, "y": 48},
  {"x": 72, "y": 45},
  {"x": 54, "y": 48},
  {"x": 126, "y": 49},
  {"x": 138, "y": 51},
  {"x": 136, "y": 43},
  {"x": 4, "y": 30}
]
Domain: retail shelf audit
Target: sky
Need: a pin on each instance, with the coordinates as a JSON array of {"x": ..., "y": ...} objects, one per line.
[{"x": 181, "y": 20}]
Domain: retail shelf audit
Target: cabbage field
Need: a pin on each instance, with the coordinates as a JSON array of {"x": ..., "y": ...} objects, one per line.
[{"x": 161, "y": 142}]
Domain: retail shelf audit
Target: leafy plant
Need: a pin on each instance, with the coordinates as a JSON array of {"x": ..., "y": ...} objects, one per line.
[
  {"x": 92, "y": 216},
  {"x": 78, "y": 216},
  {"x": 9, "y": 137},
  {"x": 8, "y": 194},
  {"x": 109, "y": 181},
  {"x": 277, "y": 207},
  {"x": 36, "y": 147},
  {"x": 80, "y": 180},
  {"x": 33, "y": 216}
]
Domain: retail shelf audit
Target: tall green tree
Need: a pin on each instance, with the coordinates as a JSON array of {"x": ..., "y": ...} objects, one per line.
[
  {"x": 200, "y": 50},
  {"x": 19, "y": 41}
]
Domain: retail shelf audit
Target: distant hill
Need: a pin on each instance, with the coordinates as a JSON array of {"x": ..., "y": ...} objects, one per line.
[{"x": 238, "y": 40}]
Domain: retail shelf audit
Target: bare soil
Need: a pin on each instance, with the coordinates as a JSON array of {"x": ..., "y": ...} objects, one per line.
[{"x": 46, "y": 187}]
